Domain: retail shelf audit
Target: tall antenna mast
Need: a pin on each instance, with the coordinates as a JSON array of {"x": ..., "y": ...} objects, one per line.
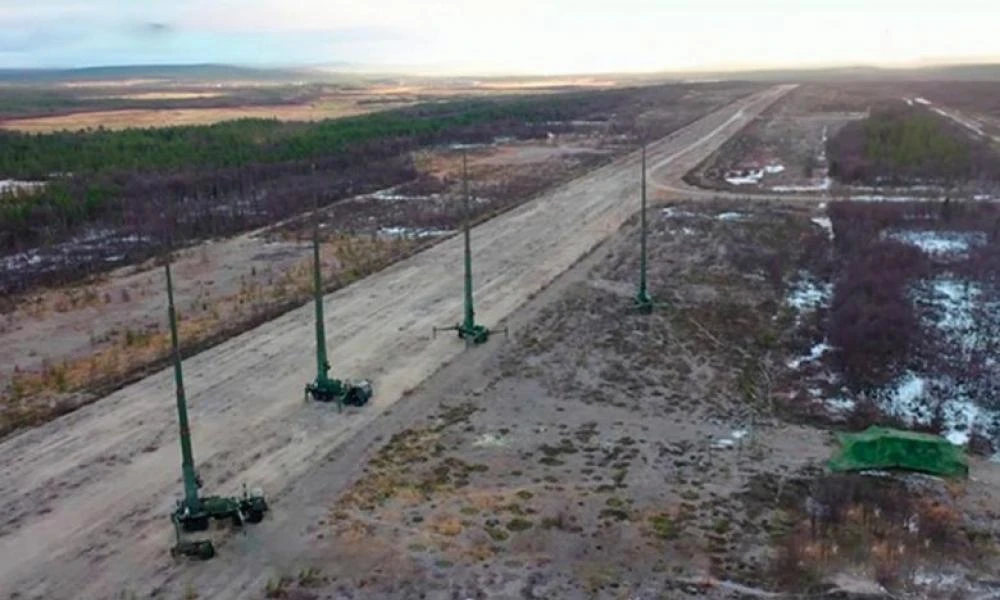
[
  {"x": 642, "y": 300},
  {"x": 194, "y": 511},
  {"x": 469, "y": 322},
  {"x": 188, "y": 474},
  {"x": 468, "y": 329},
  {"x": 325, "y": 388}
]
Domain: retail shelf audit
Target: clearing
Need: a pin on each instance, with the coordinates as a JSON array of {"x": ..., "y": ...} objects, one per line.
[
  {"x": 813, "y": 141},
  {"x": 606, "y": 454},
  {"x": 68, "y": 345},
  {"x": 85, "y": 497}
]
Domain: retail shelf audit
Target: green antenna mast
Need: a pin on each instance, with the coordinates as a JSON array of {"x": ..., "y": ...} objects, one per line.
[
  {"x": 192, "y": 502},
  {"x": 325, "y": 388},
  {"x": 194, "y": 511},
  {"x": 468, "y": 330},
  {"x": 642, "y": 300}
]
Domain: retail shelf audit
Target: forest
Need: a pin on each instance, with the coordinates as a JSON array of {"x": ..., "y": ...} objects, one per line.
[
  {"x": 115, "y": 197},
  {"x": 902, "y": 145}
]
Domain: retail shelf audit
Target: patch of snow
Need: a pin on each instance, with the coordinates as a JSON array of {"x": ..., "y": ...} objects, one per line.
[
  {"x": 924, "y": 578},
  {"x": 969, "y": 124},
  {"x": 840, "y": 404},
  {"x": 923, "y": 101},
  {"x": 459, "y": 146},
  {"x": 730, "y": 216},
  {"x": 909, "y": 101},
  {"x": 913, "y": 398},
  {"x": 982, "y": 197},
  {"x": 820, "y": 186},
  {"x": 940, "y": 243},
  {"x": 808, "y": 294},
  {"x": 815, "y": 353},
  {"x": 672, "y": 213},
  {"x": 731, "y": 441},
  {"x": 412, "y": 232},
  {"x": 955, "y": 301},
  {"x": 15, "y": 185},
  {"x": 751, "y": 178},
  {"x": 959, "y": 418},
  {"x": 903, "y": 399},
  {"x": 390, "y": 195},
  {"x": 489, "y": 440},
  {"x": 826, "y": 224},
  {"x": 883, "y": 198},
  {"x": 688, "y": 231}
]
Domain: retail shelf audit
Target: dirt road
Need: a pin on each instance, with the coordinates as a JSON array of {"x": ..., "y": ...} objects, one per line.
[{"x": 84, "y": 499}]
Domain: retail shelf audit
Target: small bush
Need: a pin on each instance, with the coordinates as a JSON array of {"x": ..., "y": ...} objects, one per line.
[
  {"x": 663, "y": 527},
  {"x": 519, "y": 524}
]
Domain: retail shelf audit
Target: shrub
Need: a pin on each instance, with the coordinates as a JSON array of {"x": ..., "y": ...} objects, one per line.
[{"x": 872, "y": 321}]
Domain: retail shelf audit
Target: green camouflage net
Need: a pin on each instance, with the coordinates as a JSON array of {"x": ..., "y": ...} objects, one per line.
[{"x": 883, "y": 448}]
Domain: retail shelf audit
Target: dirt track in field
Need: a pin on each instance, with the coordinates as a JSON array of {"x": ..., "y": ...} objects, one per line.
[{"x": 84, "y": 499}]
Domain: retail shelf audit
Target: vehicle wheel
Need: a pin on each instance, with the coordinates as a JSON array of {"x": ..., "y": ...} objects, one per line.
[
  {"x": 255, "y": 516},
  {"x": 195, "y": 524}
]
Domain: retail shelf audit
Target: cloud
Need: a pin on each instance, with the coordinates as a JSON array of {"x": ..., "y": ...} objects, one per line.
[
  {"x": 527, "y": 35},
  {"x": 156, "y": 29}
]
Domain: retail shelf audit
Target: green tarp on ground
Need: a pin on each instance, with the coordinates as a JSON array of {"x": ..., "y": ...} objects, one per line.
[{"x": 884, "y": 448}]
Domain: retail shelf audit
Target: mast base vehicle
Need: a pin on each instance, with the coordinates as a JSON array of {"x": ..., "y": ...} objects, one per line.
[
  {"x": 351, "y": 393},
  {"x": 472, "y": 334},
  {"x": 643, "y": 303},
  {"x": 248, "y": 508}
]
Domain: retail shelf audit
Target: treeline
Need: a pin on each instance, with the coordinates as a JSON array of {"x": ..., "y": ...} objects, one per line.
[
  {"x": 905, "y": 145},
  {"x": 135, "y": 189},
  {"x": 245, "y": 141}
]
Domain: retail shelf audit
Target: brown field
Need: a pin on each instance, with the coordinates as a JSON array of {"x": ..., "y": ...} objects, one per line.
[
  {"x": 547, "y": 83},
  {"x": 165, "y": 95},
  {"x": 123, "y": 119},
  {"x": 299, "y": 103}
]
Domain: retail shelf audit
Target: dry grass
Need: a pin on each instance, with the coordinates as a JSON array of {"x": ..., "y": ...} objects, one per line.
[
  {"x": 34, "y": 396},
  {"x": 123, "y": 119},
  {"x": 884, "y": 527}
]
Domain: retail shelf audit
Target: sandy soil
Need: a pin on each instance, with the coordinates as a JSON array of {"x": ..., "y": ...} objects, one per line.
[{"x": 85, "y": 497}]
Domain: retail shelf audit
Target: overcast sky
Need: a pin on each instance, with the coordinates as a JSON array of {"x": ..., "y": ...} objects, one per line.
[{"x": 529, "y": 36}]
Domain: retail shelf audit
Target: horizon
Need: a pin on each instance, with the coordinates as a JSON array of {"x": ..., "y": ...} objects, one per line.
[
  {"x": 526, "y": 38},
  {"x": 447, "y": 71}
]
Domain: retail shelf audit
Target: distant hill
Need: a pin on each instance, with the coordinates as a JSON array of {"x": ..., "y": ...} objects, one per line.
[
  {"x": 970, "y": 72},
  {"x": 203, "y": 72},
  {"x": 340, "y": 71}
]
